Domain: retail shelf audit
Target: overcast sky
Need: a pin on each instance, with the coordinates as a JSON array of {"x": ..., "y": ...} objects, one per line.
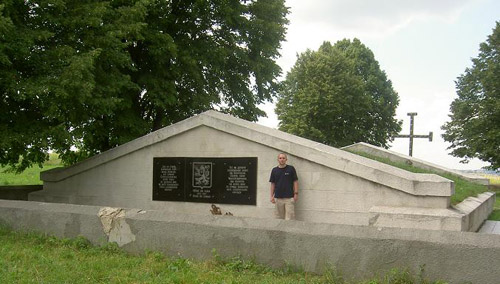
[{"x": 423, "y": 46}]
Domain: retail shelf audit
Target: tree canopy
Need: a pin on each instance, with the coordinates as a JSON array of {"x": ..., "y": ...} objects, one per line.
[
  {"x": 474, "y": 128},
  {"x": 95, "y": 74},
  {"x": 338, "y": 95}
]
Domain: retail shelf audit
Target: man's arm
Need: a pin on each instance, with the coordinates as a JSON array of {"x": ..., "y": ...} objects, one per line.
[
  {"x": 295, "y": 190},
  {"x": 272, "y": 192}
]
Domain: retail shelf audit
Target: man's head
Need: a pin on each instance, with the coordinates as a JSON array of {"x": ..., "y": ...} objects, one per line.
[{"x": 282, "y": 158}]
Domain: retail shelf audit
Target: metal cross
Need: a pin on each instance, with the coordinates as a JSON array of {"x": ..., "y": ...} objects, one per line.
[{"x": 411, "y": 136}]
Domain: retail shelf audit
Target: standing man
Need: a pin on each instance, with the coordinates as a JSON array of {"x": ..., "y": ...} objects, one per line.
[{"x": 284, "y": 189}]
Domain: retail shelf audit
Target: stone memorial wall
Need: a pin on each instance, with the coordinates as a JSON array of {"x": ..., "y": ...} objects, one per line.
[{"x": 215, "y": 159}]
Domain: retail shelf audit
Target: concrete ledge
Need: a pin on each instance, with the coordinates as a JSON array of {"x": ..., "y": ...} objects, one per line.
[
  {"x": 18, "y": 192},
  {"x": 476, "y": 209},
  {"x": 468, "y": 215},
  {"x": 419, "y": 218},
  {"x": 397, "y": 157},
  {"x": 358, "y": 252}
]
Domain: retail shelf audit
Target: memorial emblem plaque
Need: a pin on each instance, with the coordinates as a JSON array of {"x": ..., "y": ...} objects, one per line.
[
  {"x": 202, "y": 175},
  {"x": 210, "y": 180}
]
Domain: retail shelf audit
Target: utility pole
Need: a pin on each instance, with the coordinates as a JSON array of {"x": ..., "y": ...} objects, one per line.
[{"x": 411, "y": 136}]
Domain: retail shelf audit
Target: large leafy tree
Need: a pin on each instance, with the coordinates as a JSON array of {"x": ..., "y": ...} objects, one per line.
[
  {"x": 95, "y": 74},
  {"x": 338, "y": 95},
  {"x": 474, "y": 128}
]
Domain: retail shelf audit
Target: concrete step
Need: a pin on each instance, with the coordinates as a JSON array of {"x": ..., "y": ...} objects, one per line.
[{"x": 419, "y": 218}]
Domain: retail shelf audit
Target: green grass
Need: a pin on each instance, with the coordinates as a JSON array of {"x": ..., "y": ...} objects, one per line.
[
  {"x": 29, "y": 176},
  {"x": 463, "y": 188},
  {"x": 36, "y": 258},
  {"x": 495, "y": 215}
]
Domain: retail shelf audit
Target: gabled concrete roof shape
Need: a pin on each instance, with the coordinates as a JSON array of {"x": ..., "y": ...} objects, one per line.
[
  {"x": 412, "y": 183},
  {"x": 401, "y": 158}
]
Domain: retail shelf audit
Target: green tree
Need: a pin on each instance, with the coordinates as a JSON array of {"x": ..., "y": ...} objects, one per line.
[
  {"x": 474, "y": 129},
  {"x": 95, "y": 74},
  {"x": 338, "y": 95}
]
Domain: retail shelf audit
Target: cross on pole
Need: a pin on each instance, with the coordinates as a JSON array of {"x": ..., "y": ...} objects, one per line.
[{"x": 411, "y": 136}]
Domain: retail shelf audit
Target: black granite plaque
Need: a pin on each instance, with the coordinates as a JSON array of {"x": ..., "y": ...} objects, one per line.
[
  {"x": 210, "y": 180},
  {"x": 168, "y": 179},
  {"x": 240, "y": 176}
]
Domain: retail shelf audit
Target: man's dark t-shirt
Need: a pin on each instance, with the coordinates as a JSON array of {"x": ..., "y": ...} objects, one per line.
[{"x": 283, "y": 179}]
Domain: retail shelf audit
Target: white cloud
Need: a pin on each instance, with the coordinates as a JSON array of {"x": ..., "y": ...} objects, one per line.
[{"x": 372, "y": 18}]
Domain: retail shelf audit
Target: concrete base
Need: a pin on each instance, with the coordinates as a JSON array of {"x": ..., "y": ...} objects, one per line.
[{"x": 358, "y": 252}]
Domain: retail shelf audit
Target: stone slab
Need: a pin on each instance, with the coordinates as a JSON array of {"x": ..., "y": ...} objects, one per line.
[
  {"x": 419, "y": 218},
  {"x": 490, "y": 227}
]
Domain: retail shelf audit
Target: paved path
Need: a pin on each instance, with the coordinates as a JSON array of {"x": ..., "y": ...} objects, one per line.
[{"x": 490, "y": 227}]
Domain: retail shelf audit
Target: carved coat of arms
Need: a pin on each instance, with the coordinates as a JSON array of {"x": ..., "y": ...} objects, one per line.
[{"x": 202, "y": 174}]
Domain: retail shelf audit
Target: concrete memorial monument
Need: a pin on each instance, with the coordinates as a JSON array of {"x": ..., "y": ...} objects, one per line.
[
  {"x": 213, "y": 158},
  {"x": 158, "y": 193}
]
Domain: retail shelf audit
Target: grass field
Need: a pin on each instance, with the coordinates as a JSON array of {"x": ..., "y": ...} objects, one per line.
[
  {"x": 495, "y": 186},
  {"x": 35, "y": 258},
  {"x": 494, "y": 179},
  {"x": 29, "y": 176}
]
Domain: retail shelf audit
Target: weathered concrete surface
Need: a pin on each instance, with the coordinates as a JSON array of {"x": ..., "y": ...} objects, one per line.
[
  {"x": 476, "y": 210},
  {"x": 418, "y": 218},
  {"x": 401, "y": 158},
  {"x": 335, "y": 186},
  {"x": 61, "y": 220},
  {"x": 468, "y": 215},
  {"x": 357, "y": 251},
  {"x": 490, "y": 227}
]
